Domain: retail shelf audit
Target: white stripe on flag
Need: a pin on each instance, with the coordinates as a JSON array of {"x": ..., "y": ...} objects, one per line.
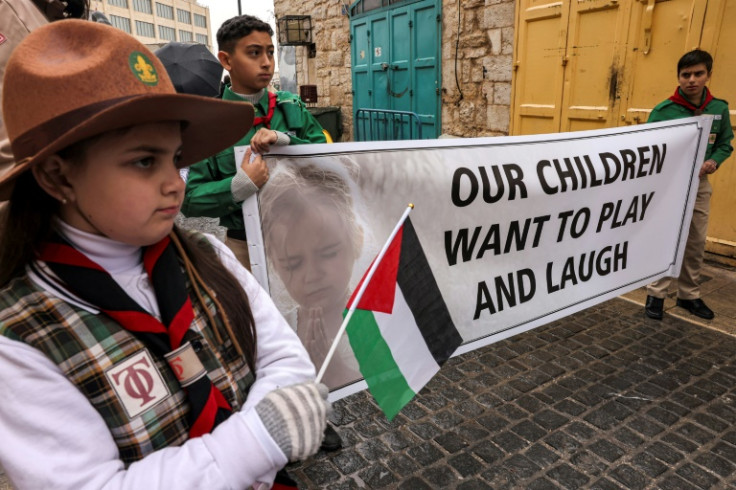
[{"x": 407, "y": 345}]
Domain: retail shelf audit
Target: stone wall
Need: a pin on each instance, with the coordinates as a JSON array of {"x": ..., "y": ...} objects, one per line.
[{"x": 475, "y": 98}]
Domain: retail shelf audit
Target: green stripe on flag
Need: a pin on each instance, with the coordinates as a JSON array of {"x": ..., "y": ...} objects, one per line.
[{"x": 384, "y": 379}]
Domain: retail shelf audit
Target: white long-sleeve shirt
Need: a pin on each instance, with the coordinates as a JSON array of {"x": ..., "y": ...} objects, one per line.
[{"x": 52, "y": 437}]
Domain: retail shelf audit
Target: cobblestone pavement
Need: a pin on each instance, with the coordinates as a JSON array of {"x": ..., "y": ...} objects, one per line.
[{"x": 603, "y": 399}]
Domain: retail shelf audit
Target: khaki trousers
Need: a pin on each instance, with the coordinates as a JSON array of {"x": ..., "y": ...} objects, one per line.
[
  {"x": 688, "y": 283},
  {"x": 240, "y": 250}
]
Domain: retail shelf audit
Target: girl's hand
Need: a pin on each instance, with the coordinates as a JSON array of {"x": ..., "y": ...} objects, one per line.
[{"x": 314, "y": 338}]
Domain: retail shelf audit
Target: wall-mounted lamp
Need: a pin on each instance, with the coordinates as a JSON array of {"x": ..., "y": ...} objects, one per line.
[{"x": 295, "y": 30}]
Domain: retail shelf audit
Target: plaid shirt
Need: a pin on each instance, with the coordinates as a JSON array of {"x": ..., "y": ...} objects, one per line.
[{"x": 85, "y": 345}]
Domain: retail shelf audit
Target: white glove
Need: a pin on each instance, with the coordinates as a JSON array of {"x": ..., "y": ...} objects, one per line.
[{"x": 296, "y": 417}]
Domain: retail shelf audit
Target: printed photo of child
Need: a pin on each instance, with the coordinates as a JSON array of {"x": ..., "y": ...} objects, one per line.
[{"x": 314, "y": 241}]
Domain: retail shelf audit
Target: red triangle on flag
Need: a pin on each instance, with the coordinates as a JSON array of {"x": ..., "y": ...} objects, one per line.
[{"x": 379, "y": 295}]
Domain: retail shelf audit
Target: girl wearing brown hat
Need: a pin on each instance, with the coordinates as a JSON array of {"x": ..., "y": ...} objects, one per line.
[{"x": 132, "y": 354}]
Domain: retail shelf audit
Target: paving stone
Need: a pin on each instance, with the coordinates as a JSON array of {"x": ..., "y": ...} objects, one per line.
[
  {"x": 697, "y": 475},
  {"x": 451, "y": 442},
  {"x": 725, "y": 450},
  {"x": 695, "y": 433},
  {"x": 716, "y": 464},
  {"x": 550, "y": 419},
  {"x": 607, "y": 450},
  {"x": 494, "y": 422},
  {"x": 373, "y": 449},
  {"x": 509, "y": 441},
  {"x": 349, "y": 461},
  {"x": 678, "y": 483},
  {"x": 425, "y": 454},
  {"x": 500, "y": 478},
  {"x": 570, "y": 407},
  {"x": 465, "y": 464},
  {"x": 474, "y": 485},
  {"x": 398, "y": 440},
  {"x": 542, "y": 484},
  {"x": 629, "y": 477},
  {"x": 529, "y": 430},
  {"x": 588, "y": 463},
  {"x": 402, "y": 466},
  {"x": 649, "y": 465},
  {"x": 322, "y": 473},
  {"x": 426, "y": 430},
  {"x": 567, "y": 476},
  {"x": 562, "y": 442},
  {"x": 663, "y": 416},
  {"x": 645, "y": 426},
  {"x": 440, "y": 476},
  {"x": 665, "y": 453},
  {"x": 488, "y": 452},
  {"x": 377, "y": 476},
  {"x": 414, "y": 483},
  {"x": 605, "y": 484},
  {"x": 447, "y": 419}
]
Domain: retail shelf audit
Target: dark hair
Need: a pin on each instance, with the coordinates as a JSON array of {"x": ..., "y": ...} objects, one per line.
[
  {"x": 235, "y": 29},
  {"x": 27, "y": 223},
  {"x": 695, "y": 57}
]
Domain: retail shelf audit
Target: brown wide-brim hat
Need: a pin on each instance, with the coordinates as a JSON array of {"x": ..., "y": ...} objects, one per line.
[{"x": 71, "y": 80}]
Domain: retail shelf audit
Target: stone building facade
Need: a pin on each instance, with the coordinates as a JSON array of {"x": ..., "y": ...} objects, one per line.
[{"x": 476, "y": 96}]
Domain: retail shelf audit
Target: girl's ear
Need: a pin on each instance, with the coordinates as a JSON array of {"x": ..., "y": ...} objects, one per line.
[{"x": 51, "y": 176}]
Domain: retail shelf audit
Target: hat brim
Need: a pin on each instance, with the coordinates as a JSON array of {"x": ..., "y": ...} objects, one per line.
[{"x": 210, "y": 125}]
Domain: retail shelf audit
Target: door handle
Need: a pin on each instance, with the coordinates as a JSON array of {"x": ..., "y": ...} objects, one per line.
[{"x": 647, "y": 21}]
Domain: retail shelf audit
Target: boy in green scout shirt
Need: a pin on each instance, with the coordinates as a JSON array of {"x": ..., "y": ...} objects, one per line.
[
  {"x": 692, "y": 98},
  {"x": 216, "y": 188}
]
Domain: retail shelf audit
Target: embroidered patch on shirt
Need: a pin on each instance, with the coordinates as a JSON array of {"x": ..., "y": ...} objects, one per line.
[
  {"x": 2, "y": 38},
  {"x": 718, "y": 117},
  {"x": 186, "y": 365},
  {"x": 137, "y": 383}
]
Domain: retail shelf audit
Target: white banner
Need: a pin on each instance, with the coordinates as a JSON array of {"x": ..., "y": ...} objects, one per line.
[{"x": 519, "y": 231}]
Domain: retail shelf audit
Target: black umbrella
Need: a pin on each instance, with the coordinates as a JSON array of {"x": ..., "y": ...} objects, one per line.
[{"x": 192, "y": 68}]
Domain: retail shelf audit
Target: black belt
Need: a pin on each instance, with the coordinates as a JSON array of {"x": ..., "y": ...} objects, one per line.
[{"x": 237, "y": 234}]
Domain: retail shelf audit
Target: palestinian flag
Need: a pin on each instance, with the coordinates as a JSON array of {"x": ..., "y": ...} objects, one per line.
[{"x": 401, "y": 332}]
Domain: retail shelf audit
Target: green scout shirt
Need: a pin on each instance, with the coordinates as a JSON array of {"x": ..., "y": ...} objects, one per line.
[
  {"x": 719, "y": 143},
  {"x": 208, "y": 190}
]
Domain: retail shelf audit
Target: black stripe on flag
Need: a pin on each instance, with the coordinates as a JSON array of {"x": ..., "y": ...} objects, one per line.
[{"x": 424, "y": 299}]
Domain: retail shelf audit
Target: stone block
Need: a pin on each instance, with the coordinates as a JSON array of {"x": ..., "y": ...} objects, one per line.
[
  {"x": 500, "y": 15},
  {"x": 495, "y": 40},
  {"x": 498, "y": 118}
]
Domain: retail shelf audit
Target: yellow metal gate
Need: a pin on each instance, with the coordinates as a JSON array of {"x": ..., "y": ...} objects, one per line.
[{"x": 588, "y": 64}]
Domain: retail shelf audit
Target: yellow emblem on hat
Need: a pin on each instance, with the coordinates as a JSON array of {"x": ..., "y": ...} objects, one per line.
[{"x": 142, "y": 68}]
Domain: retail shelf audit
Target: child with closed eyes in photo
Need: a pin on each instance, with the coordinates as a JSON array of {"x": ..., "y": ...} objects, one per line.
[{"x": 313, "y": 239}]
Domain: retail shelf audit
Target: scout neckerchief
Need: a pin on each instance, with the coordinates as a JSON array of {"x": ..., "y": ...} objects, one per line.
[
  {"x": 677, "y": 98},
  {"x": 88, "y": 280},
  {"x": 266, "y": 120}
]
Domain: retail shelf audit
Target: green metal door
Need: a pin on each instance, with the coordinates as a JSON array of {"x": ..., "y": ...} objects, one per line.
[{"x": 395, "y": 52}]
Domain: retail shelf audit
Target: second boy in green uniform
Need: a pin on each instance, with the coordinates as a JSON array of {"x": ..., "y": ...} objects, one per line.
[{"x": 692, "y": 98}]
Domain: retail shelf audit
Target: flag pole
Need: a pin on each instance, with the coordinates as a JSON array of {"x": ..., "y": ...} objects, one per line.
[{"x": 359, "y": 294}]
